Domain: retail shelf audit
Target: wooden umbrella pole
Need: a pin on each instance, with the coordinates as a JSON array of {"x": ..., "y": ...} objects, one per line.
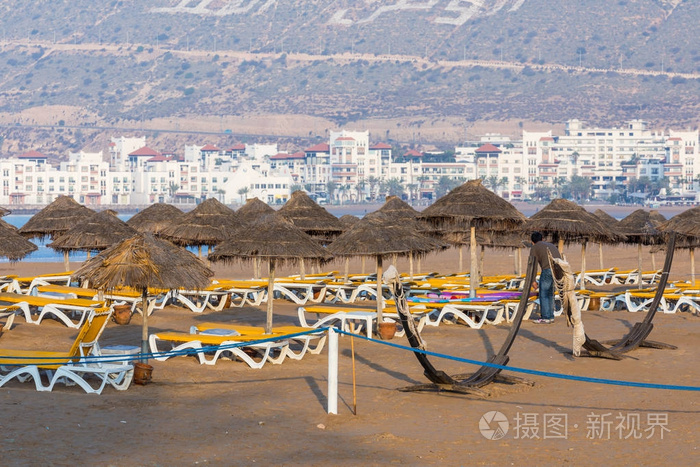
[
  {"x": 270, "y": 296},
  {"x": 473, "y": 279},
  {"x": 144, "y": 326},
  {"x": 480, "y": 272},
  {"x": 692, "y": 266},
  {"x": 653, "y": 261},
  {"x": 199, "y": 251},
  {"x": 460, "y": 269},
  {"x": 354, "y": 387},
  {"x": 583, "y": 265},
  {"x": 639, "y": 264},
  {"x": 419, "y": 263},
  {"x": 410, "y": 266},
  {"x": 515, "y": 261},
  {"x": 363, "y": 265},
  {"x": 394, "y": 258},
  {"x": 561, "y": 246},
  {"x": 302, "y": 269},
  {"x": 519, "y": 271},
  {"x": 380, "y": 318},
  {"x": 600, "y": 255},
  {"x": 66, "y": 261},
  {"x": 347, "y": 269}
]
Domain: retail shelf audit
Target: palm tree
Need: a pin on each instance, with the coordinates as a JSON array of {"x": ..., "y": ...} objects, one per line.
[
  {"x": 373, "y": 182},
  {"x": 331, "y": 186},
  {"x": 360, "y": 188},
  {"x": 172, "y": 189},
  {"x": 243, "y": 192},
  {"x": 412, "y": 188},
  {"x": 394, "y": 187}
]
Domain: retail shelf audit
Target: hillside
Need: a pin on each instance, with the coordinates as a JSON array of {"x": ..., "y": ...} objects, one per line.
[{"x": 409, "y": 70}]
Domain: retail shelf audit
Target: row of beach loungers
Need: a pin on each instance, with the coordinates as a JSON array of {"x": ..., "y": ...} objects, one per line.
[{"x": 324, "y": 299}]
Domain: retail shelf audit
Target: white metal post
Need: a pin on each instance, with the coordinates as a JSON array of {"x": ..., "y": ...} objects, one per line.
[{"x": 332, "y": 371}]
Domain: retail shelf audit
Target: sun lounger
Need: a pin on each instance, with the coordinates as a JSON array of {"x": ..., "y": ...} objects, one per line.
[
  {"x": 60, "y": 309},
  {"x": 226, "y": 343},
  {"x": 596, "y": 277},
  {"x": 474, "y": 314},
  {"x": 305, "y": 339},
  {"x": 157, "y": 299},
  {"x": 73, "y": 365},
  {"x": 348, "y": 319}
]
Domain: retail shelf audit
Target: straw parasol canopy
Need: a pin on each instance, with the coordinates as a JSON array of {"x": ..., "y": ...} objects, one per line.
[
  {"x": 276, "y": 240},
  {"x": 568, "y": 222},
  {"x": 252, "y": 210},
  {"x": 210, "y": 223},
  {"x": 605, "y": 217},
  {"x": 304, "y": 213},
  {"x": 687, "y": 227},
  {"x": 4, "y": 212},
  {"x": 143, "y": 261},
  {"x": 396, "y": 207},
  {"x": 380, "y": 235},
  {"x": 56, "y": 218},
  {"x": 467, "y": 208},
  {"x": 13, "y": 246},
  {"x": 641, "y": 228},
  {"x": 98, "y": 232},
  {"x": 608, "y": 220},
  {"x": 155, "y": 218},
  {"x": 348, "y": 220}
]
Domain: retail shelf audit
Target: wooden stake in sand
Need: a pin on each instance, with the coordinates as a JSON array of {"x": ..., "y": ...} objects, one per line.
[{"x": 354, "y": 390}]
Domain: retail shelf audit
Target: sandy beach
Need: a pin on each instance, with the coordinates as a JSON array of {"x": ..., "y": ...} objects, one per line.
[{"x": 230, "y": 414}]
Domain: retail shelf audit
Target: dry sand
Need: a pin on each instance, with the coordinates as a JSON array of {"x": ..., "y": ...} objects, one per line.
[{"x": 229, "y": 414}]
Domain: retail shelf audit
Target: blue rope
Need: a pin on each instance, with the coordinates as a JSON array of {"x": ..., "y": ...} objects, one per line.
[{"x": 547, "y": 374}]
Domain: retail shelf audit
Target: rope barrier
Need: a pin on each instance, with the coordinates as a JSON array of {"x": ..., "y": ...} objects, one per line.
[
  {"x": 547, "y": 374},
  {"x": 211, "y": 348}
]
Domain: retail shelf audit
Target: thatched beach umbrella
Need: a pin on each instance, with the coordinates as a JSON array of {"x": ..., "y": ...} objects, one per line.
[
  {"x": 687, "y": 227},
  {"x": 378, "y": 236},
  {"x": 249, "y": 213},
  {"x": 56, "y": 218},
  {"x": 252, "y": 210},
  {"x": 641, "y": 228},
  {"x": 348, "y": 220},
  {"x": 13, "y": 246},
  {"x": 210, "y": 223},
  {"x": 467, "y": 208},
  {"x": 143, "y": 261},
  {"x": 155, "y": 218},
  {"x": 611, "y": 222},
  {"x": 275, "y": 239},
  {"x": 98, "y": 232},
  {"x": 314, "y": 220},
  {"x": 568, "y": 222},
  {"x": 4, "y": 211}
]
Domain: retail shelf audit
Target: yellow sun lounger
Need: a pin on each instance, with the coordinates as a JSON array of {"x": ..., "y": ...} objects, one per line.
[
  {"x": 61, "y": 366},
  {"x": 283, "y": 331},
  {"x": 222, "y": 343},
  {"x": 60, "y": 309}
]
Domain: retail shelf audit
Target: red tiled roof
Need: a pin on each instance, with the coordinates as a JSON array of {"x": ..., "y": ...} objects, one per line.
[
  {"x": 675, "y": 138},
  {"x": 112, "y": 144},
  {"x": 210, "y": 147},
  {"x": 284, "y": 155},
  {"x": 32, "y": 155},
  {"x": 238, "y": 147},
  {"x": 345, "y": 138},
  {"x": 320, "y": 147},
  {"x": 413, "y": 153},
  {"x": 546, "y": 138},
  {"x": 381, "y": 146},
  {"x": 159, "y": 158},
  {"x": 145, "y": 151},
  {"x": 488, "y": 147}
]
